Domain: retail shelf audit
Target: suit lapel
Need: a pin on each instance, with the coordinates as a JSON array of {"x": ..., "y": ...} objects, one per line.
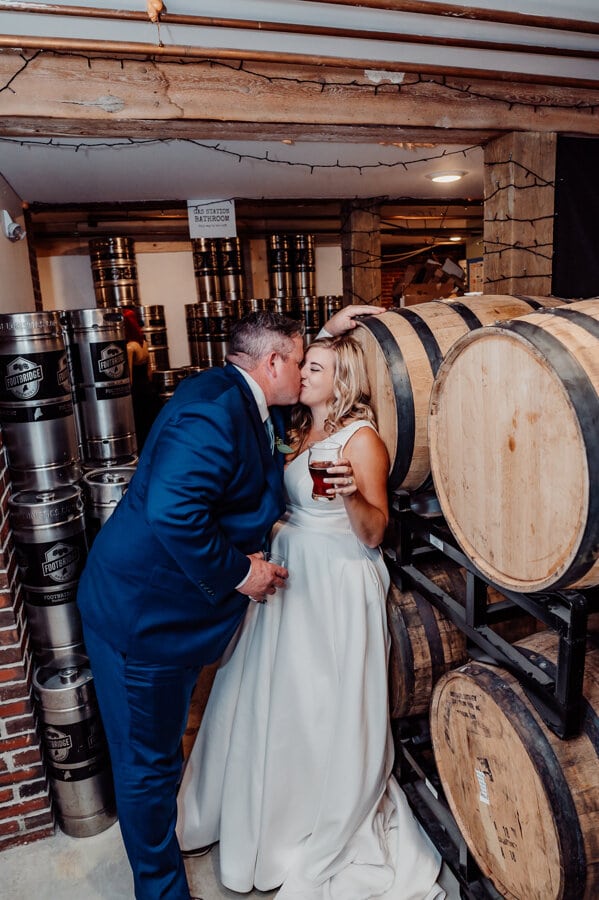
[{"x": 272, "y": 469}]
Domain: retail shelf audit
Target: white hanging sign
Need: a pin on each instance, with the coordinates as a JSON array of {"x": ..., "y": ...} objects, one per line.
[{"x": 211, "y": 218}]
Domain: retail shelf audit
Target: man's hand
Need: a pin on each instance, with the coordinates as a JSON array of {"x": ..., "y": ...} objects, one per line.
[
  {"x": 344, "y": 320},
  {"x": 264, "y": 578}
]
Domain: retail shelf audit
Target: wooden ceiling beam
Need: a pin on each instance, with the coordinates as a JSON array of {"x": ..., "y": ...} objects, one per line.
[{"x": 52, "y": 94}]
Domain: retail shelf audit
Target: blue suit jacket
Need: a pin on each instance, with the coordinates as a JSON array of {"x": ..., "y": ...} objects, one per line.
[{"x": 159, "y": 582}]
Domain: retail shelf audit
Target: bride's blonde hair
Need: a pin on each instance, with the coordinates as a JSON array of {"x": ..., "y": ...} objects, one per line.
[{"x": 351, "y": 391}]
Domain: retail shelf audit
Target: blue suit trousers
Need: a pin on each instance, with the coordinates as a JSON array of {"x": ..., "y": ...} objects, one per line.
[{"x": 144, "y": 708}]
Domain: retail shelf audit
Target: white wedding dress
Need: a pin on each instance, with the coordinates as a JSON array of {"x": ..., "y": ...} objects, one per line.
[{"x": 291, "y": 767}]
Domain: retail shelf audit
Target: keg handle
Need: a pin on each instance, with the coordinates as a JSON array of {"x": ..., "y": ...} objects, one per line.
[{"x": 111, "y": 478}]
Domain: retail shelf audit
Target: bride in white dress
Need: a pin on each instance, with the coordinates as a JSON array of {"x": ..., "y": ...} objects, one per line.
[{"x": 291, "y": 768}]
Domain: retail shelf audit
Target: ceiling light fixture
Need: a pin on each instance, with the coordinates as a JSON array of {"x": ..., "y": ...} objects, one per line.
[
  {"x": 455, "y": 238},
  {"x": 445, "y": 177}
]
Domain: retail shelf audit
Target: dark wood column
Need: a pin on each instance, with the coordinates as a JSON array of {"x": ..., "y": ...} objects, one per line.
[{"x": 361, "y": 251}]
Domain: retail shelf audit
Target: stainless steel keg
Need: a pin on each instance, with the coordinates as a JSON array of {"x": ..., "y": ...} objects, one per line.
[
  {"x": 257, "y": 304},
  {"x": 304, "y": 266},
  {"x": 208, "y": 330},
  {"x": 114, "y": 271},
  {"x": 279, "y": 265},
  {"x": 329, "y": 305},
  {"x": 51, "y": 548},
  {"x": 206, "y": 269},
  {"x": 153, "y": 321},
  {"x": 286, "y": 306},
  {"x": 102, "y": 490},
  {"x": 36, "y": 407},
  {"x": 231, "y": 270},
  {"x": 75, "y": 750},
  {"x": 310, "y": 314},
  {"x": 166, "y": 380},
  {"x": 97, "y": 352}
]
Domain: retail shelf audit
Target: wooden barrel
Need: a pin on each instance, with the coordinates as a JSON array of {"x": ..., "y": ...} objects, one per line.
[
  {"x": 526, "y": 802},
  {"x": 404, "y": 348},
  {"x": 425, "y": 643},
  {"x": 514, "y": 445}
]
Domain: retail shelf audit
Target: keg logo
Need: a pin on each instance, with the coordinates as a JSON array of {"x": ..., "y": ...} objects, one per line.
[
  {"x": 23, "y": 378},
  {"x": 58, "y": 744},
  {"x": 112, "y": 361},
  {"x": 60, "y": 562},
  {"x": 62, "y": 375}
]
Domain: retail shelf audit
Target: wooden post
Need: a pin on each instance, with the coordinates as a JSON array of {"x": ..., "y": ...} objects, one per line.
[
  {"x": 361, "y": 251},
  {"x": 519, "y": 210}
]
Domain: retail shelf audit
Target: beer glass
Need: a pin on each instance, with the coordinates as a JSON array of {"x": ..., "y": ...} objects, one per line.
[{"x": 321, "y": 455}]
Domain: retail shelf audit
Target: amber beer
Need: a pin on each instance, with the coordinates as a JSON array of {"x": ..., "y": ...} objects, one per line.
[{"x": 321, "y": 455}]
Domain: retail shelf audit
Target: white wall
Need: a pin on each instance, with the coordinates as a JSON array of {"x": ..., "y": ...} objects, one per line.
[
  {"x": 66, "y": 282},
  {"x": 165, "y": 278},
  {"x": 16, "y": 287},
  {"x": 329, "y": 279}
]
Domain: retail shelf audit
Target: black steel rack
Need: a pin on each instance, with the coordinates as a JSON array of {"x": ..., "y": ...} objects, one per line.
[{"x": 555, "y": 690}]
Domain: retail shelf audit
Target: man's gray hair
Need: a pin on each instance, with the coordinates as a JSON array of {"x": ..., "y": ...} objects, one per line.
[{"x": 260, "y": 333}]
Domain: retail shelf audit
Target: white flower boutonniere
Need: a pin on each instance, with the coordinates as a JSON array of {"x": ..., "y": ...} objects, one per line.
[{"x": 281, "y": 447}]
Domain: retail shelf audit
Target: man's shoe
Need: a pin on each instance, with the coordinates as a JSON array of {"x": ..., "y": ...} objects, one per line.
[{"x": 198, "y": 851}]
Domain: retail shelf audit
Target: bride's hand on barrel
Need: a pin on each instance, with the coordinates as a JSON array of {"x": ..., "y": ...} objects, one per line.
[{"x": 345, "y": 319}]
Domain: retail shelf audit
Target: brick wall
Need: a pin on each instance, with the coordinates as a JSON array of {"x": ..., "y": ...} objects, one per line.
[
  {"x": 389, "y": 275},
  {"x": 25, "y": 805}
]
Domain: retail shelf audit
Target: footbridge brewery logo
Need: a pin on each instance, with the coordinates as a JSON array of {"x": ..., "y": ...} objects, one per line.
[
  {"x": 23, "y": 378},
  {"x": 60, "y": 562},
  {"x": 58, "y": 744},
  {"x": 112, "y": 361},
  {"x": 63, "y": 376}
]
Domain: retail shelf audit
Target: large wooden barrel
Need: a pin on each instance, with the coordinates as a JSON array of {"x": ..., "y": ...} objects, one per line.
[
  {"x": 404, "y": 348},
  {"x": 526, "y": 802},
  {"x": 514, "y": 445},
  {"x": 425, "y": 643}
]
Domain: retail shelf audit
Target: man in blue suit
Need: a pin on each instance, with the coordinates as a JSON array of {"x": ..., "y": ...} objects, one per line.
[{"x": 169, "y": 575}]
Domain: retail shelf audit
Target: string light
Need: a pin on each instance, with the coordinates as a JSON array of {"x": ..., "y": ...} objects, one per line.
[{"x": 266, "y": 157}]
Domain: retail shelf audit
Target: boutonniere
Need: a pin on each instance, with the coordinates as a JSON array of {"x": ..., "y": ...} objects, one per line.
[{"x": 281, "y": 447}]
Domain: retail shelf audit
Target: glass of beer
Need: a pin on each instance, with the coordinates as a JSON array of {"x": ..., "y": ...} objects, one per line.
[{"x": 321, "y": 455}]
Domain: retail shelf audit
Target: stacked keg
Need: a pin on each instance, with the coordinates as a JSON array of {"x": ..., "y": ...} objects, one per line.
[
  {"x": 292, "y": 282},
  {"x": 167, "y": 380},
  {"x": 46, "y": 515},
  {"x": 114, "y": 271},
  {"x": 97, "y": 355},
  {"x": 102, "y": 490},
  {"x": 153, "y": 322},
  {"x": 208, "y": 328},
  {"x": 36, "y": 408},
  {"x": 75, "y": 749},
  {"x": 218, "y": 267},
  {"x": 49, "y": 534}
]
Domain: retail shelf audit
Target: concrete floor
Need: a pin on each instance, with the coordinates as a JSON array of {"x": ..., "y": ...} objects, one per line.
[{"x": 96, "y": 868}]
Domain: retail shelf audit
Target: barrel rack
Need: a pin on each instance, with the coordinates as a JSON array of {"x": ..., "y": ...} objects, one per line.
[{"x": 418, "y": 531}]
